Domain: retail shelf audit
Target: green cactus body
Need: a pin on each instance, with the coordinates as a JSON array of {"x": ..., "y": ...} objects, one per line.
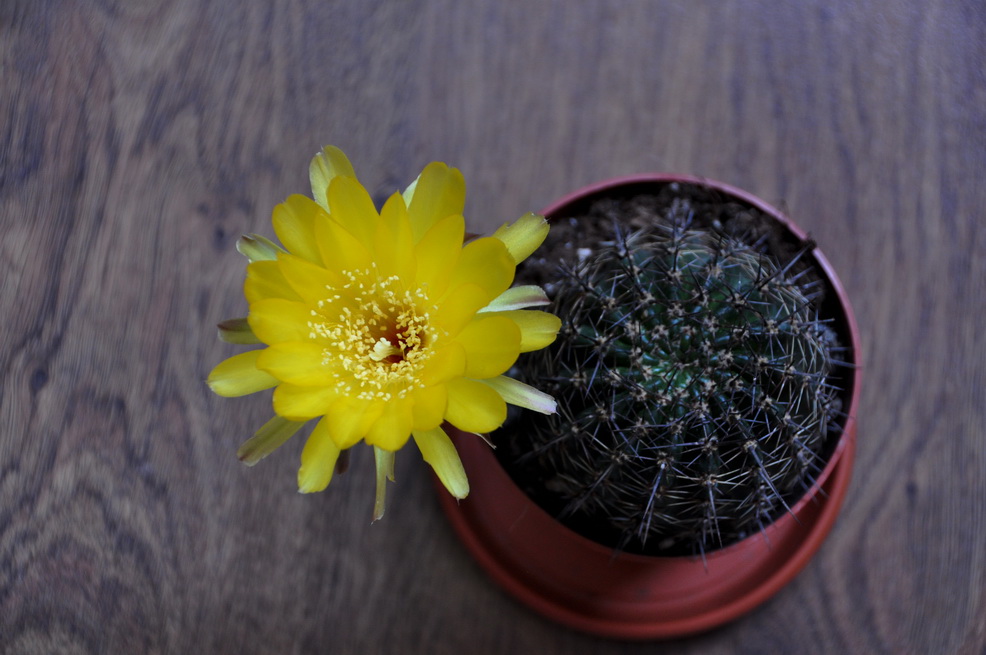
[{"x": 691, "y": 378}]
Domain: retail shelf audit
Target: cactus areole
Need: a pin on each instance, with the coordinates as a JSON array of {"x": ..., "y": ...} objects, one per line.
[{"x": 706, "y": 382}]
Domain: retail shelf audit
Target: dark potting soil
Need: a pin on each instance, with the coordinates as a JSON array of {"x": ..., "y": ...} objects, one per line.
[{"x": 572, "y": 237}]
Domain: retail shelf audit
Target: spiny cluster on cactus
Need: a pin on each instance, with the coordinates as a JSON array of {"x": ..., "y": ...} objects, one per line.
[{"x": 693, "y": 383}]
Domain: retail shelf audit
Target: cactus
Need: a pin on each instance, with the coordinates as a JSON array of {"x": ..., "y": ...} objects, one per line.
[{"x": 693, "y": 381}]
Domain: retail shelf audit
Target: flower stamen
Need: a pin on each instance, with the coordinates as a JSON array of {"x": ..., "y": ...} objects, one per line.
[{"x": 375, "y": 334}]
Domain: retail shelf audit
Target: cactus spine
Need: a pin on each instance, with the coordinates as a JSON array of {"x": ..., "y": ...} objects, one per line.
[{"x": 692, "y": 376}]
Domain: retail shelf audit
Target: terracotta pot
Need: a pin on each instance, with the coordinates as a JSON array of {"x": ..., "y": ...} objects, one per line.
[{"x": 592, "y": 588}]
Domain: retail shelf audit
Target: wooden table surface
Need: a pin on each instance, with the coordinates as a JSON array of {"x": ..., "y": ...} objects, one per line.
[{"x": 139, "y": 139}]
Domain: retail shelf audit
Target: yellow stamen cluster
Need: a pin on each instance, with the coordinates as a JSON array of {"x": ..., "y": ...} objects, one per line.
[{"x": 376, "y": 335}]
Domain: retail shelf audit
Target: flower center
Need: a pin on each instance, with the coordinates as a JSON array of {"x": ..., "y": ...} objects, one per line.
[{"x": 376, "y": 335}]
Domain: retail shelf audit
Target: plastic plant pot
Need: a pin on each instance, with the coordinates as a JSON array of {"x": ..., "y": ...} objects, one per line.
[{"x": 596, "y": 589}]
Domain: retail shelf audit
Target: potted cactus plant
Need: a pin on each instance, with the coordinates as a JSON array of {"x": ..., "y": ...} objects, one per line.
[{"x": 706, "y": 390}]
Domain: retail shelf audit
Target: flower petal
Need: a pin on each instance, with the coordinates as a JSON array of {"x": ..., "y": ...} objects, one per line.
[
  {"x": 297, "y": 363},
  {"x": 257, "y": 248},
  {"x": 385, "y": 471},
  {"x": 310, "y": 282},
  {"x": 517, "y": 393},
  {"x": 239, "y": 376},
  {"x": 429, "y": 406},
  {"x": 492, "y": 345},
  {"x": 392, "y": 243},
  {"x": 267, "y": 439},
  {"x": 349, "y": 419},
  {"x": 438, "y": 192},
  {"x": 329, "y": 163},
  {"x": 445, "y": 364},
  {"x": 486, "y": 263},
  {"x": 474, "y": 406},
  {"x": 537, "y": 329},
  {"x": 523, "y": 236},
  {"x": 264, "y": 280},
  {"x": 294, "y": 223},
  {"x": 520, "y": 297},
  {"x": 437, "y": 254},
  {"x": 439, "y": 451},
  {"x": 238, "y": 331},
  {"x": 341, "y": 251},
  {"x": 458, "y": 308},
  {"x": 318, "y": 460},
  {"x": 351, "y": 207},
  {"x": 393, "y": 428},
  {"x": 297, "y": 403},
  {"x": 274, "y": 320},
  {"x": 408, "y": 194}
]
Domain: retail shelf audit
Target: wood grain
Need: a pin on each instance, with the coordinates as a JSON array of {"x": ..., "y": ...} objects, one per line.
[{"x": 139, "y": 138}]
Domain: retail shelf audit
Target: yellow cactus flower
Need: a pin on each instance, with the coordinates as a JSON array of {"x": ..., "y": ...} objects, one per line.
[{"x": 383, "y": 324}]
